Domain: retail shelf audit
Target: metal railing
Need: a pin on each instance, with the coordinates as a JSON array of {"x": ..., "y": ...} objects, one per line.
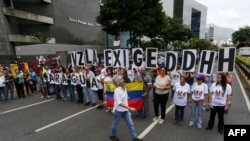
[{"x": 244, "y": 68}]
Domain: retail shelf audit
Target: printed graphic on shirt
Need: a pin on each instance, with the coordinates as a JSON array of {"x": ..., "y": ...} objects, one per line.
[
  {"x": 197, "y": 93},
  {"x": 219, "y": 93},
  {"x": 181, "y": 93}
]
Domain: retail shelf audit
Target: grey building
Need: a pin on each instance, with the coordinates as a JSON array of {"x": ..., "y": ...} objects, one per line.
[
  {"x": 191, "y": 12},
  {"x": 65, "y": 21}
]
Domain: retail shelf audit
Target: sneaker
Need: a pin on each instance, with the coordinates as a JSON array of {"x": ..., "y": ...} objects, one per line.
[
  {"x": 190, "y": 125},
  {"x": 199, "y": 126},
  {"x": 180, "y": 123},
  {"x": 42, "y": 96},
  {"x": 161, "y": 121},
  {"x": 88, "y": 103},
  {"x": 114, "y": 138},
  {"x": 137, "y": 139},
  {"x": 108, "y": 110},
  {"x": 208, "y": 129},
  {"x": 221, "y": 132},
  {"x": 155, "y": 119},
  {"x": 175, "y": 122}
]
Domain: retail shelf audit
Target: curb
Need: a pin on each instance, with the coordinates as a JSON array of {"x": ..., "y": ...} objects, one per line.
[{"x": 243, "y": 78}]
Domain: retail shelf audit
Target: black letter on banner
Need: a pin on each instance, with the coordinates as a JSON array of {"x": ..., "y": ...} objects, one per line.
[
  {"x": 151, "y": 58},
  {"x": 94, "y": 83},
  {"x": 64, "y": 80},
  {"x": 73, "y": 59},
  {"x": 204, "y": 62},
  {"x": 108, "y": 58},
  {"x": 185, "y": 61},
  {"x": 116, "y": 57},
  {"x": 57, "y": 78},
  {"x": 73, "y": 77},
  {"x": 82, "y": 79},
  {"x": 170, "y": 56},
  {"x": 124, "y": 58},
  {"x": 51, "y": 78},
  {"x": 226, "y": 55},
  {"x": 88, "y": 61},
  {"x": 137, "y": 61},
  {"x": 80, "y": 58}
]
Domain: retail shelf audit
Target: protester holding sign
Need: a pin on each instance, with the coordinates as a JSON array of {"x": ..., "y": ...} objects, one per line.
[
  {"x": 147, "y": 85},
  {"x": 28, "y": 82},
  {"x": 9, "y": 83},
  {"x": 3, "y": 89},
  {"x": 108, "y": 79},
  {"x": 163, "y": 86},
  {"x": 19, "y": 84},
  {"x": 198, "y": 97},
  {"x": 71, "y": 88},
  {"x": 182, "y": 90},
  {"x": 99, "y": 92},
  {"x": 89, "y": 93},
  {"x": 75, "y": 77},
  {"x": 229, "y": 81},
  {"x": 220, "y": 96},
  {"x": 175, "y": 78}
]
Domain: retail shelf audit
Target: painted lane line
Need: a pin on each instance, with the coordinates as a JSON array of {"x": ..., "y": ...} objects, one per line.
[
  {"x": 153, "y": 124},
  {"x": 27, "y": 106},
  {"x": 243, "y": 92},
  {"x": 64, "y": 119}
]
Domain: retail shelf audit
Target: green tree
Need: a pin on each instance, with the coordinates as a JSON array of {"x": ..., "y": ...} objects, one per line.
[
  {"x": 241, "y": 37},
  {"x": 41, "y": 37},
  {"x": 175, "y": 31},
  {"x": 139, "y": 17}
]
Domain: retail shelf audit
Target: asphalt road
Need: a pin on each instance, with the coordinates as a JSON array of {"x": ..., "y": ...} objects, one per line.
[{"x": 36, "y": 119}]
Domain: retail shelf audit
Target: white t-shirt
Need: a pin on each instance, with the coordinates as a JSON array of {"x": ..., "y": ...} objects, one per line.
[
  {"x": 198, "y": 91},
  {"x": 2, "y": 79},
  {"x": 131, "y": 74},
  {"x": 120, "y": 96},
  {"x": 99, "y": 84},
  {"x": 219, "y": 97},
  {"x": 175, "y": 76},
  {"x": 181, "y": 94}
]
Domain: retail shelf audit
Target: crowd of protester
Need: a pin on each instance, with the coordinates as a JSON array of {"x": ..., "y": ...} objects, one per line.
[{"x": 199, "y": 91}]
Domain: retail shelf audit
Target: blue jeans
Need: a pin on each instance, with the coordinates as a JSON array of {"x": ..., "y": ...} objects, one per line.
[
  {"x": 196, "y": 105},
  {"x": 3, "y": 90},
  {"x": 58, "y": 91},
  {"x": 127, "y": 117},
  {"x": 71, "y": 89},
  {"x": 89, "y": 95},
  {"x": 10, "y": 87},
  {"x": 64, "y": 91}
]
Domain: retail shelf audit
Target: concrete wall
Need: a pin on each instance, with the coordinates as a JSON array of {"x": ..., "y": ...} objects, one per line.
[{"x": 5, "y": 46}]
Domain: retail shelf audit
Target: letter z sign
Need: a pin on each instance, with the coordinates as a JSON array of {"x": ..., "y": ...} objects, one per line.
[{"x": 237, "y": 132}]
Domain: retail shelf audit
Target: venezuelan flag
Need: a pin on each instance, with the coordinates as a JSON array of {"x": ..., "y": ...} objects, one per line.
[{"x": 135, "y": 92}]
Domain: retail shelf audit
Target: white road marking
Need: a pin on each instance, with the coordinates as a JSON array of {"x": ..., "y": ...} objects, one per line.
[
  {"x": 27, "y": 106},
  {"x": 64, "y": 119},
  {"x": 243, "y": 92},
  {"x": 153, "y": 124}
]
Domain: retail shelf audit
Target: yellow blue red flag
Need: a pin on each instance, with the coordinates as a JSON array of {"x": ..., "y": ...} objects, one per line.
[{"x": 135, "y": 92}]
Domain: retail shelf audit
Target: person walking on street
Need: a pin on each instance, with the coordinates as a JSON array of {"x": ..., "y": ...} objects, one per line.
[{"x": 122, "y": 110}]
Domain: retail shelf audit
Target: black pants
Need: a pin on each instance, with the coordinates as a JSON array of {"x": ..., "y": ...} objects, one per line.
[
  {"x": 179, "y": 112},
  {"x": 160, "y": 99},
  {"x": 213, "y": 111},
  {"x": 29, "y": 87},
  {"x": 100, "y": 94},
  {"x": 79, "y": 93},
  {"x": 20, "y": 90}
]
